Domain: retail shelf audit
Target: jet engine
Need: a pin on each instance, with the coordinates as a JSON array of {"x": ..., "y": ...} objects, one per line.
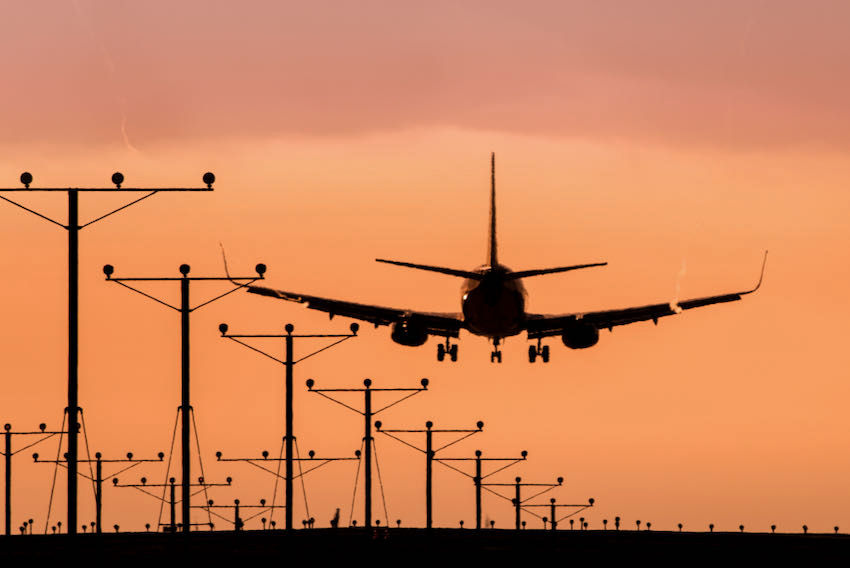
[
  {"x": 580, "y": 335},
  {"x": 409, "y": 332}
]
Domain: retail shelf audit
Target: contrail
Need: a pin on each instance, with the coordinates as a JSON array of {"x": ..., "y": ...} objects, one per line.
[
  {"x": 109, "y": 63},
  {"x": 127, "y": 142}
]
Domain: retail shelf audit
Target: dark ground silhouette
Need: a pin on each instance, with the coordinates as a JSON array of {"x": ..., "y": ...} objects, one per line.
[{"x": 417, "y": 546}]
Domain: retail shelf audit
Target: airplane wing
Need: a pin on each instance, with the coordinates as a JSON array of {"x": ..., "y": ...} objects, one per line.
[
  {"x": 540, "y": 325},
  {"x": 443, "y": 324}
]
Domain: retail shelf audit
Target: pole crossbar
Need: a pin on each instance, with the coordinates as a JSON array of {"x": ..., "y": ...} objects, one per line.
[
  {"x": 238, "y": 522},
  {"x": 105, "y": 189},
  {"x": 97, "y": 477},
  {"x": 73, "y": 228},
  {"x": 173, "y": 501},
  {"x": 179, "y": 278},
  {"x": 234, "y": 279},
  {"x": 553, "y": 507},
  {"x": 320, "y": 462}
]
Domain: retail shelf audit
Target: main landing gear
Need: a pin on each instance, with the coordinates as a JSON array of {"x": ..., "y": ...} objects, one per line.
[
  {"x": 496, "y": 355},
  {"x": 540, "y": 350},
  {"x": 447, "y": 349}
]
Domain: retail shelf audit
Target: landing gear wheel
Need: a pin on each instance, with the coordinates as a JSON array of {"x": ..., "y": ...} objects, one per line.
[
  {"x": 453, "y": 352},
  {"x": 532, "y": 353},
  {"x": 496, "y": 356},
  {"x": 441, "y": 352},
  {"x": 544, "y": 353}
]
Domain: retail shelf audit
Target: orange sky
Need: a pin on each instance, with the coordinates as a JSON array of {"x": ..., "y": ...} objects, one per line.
[{"x": 657, "y": 137}]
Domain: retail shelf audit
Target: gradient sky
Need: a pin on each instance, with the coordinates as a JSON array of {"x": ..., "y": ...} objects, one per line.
[{"x": 676, "y": 140}]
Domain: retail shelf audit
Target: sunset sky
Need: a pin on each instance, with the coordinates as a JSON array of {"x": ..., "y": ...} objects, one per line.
[{"x": 675, "y": 140}]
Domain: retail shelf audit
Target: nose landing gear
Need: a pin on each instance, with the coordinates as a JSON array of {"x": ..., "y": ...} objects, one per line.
[
  {"x": 447, "y": 349},
  {"x": 496, "y": 355},
  {"x": 540, "y": 350}
]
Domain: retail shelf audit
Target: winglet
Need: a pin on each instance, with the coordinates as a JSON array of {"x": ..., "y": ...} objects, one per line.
[
  {"x": 761, "y": 276},
  {"x": 224, "y": 258}
]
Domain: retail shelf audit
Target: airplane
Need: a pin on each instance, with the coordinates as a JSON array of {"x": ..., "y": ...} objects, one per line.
[{"x": 493, "y": 305}]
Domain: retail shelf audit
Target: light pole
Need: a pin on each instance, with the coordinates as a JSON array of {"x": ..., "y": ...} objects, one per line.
[
  {"x": 289, "y": 363},
  {"x": 185, "y": 311},
  {"x": 430, "y": 454},
  {"x": 367, "y": 414}
]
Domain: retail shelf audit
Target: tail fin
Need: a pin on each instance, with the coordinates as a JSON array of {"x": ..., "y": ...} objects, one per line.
[{"x": 491, "y": 246}]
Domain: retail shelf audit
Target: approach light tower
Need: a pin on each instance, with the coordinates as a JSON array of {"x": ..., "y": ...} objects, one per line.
[
  {"x": 73, "y": 228},
  {"x": 185, "y": 310}
]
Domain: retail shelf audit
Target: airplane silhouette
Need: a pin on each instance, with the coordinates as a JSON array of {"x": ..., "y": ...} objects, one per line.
[{"x": 493, "y": 306}]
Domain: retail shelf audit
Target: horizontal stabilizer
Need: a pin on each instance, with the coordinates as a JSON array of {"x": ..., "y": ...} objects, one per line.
[
  {"x": 440, "y": 269},
  {"x": 526, "y": 273}
]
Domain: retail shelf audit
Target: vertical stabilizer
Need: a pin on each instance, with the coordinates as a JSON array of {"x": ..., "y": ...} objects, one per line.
[{"x": 491, "y": 243}]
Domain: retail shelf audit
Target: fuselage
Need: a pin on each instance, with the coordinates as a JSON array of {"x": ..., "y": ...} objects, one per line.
[{"x": 493, "y": 306}]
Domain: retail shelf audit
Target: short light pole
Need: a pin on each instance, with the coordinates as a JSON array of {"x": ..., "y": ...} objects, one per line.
[
  {"x": 518, "y": 501},
  {"x": 553, "y": 507},
  {"x": 238, "y": 521},
  {"x": 478, "y": 478}
]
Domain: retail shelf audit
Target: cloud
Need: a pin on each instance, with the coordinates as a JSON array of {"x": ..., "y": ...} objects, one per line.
[{"x": 724, "y": 74}]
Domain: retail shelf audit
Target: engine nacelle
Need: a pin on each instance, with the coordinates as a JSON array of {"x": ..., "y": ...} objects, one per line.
[
  {"x": 409, "y": 332},
  {"x": 580, "y": 335}
]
